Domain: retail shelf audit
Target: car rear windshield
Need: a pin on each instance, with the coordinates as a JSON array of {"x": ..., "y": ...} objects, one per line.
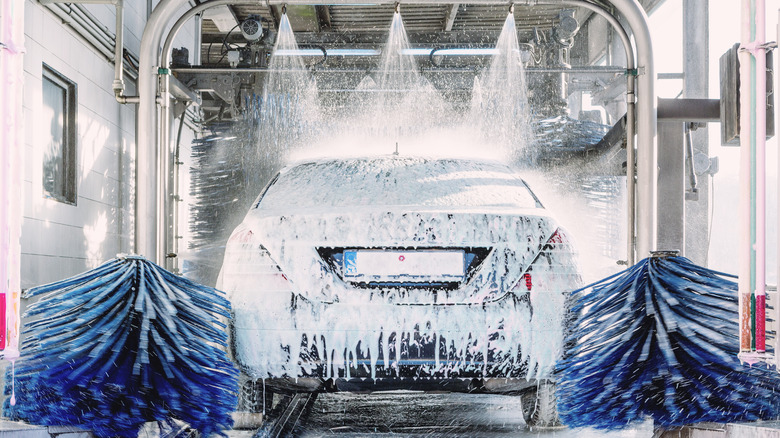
[{"x": 397, "y": 182}]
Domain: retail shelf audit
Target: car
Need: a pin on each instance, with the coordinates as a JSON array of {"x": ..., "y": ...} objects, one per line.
[{"x": 399, "y": 272}]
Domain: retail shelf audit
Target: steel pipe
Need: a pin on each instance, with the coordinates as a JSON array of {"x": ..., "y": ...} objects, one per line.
[
  {"x": 76, "y": 12},
  {"x": 631, "y": 233},
  {"x": 119, "y": 80},
  {"x": 62, "y": 12},
  {"x": 646, "y": 119},
  {"x": 573, "y": 70},
  {"x": 166, "y": 204},
  {"x": 86, "y": 27},
  {"x": 148, "y": 187}
]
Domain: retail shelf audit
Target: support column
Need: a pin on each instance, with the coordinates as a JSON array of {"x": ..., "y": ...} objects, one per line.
[
  {"x": 11, "y": 165},
  {"x": 671, "y": 186},
  {"x": 696, "y": 85}
]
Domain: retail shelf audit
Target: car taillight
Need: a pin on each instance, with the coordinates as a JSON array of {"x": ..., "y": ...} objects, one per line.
[
  {"x": 558, "y": 237},
  {"x": 524, "y": 284},
  {"x": 249, "y": 265},
  {"x": 526, "y": 281}
]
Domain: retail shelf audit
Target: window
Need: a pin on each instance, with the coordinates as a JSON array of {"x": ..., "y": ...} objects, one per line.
[{"x": 58, "y": 122}]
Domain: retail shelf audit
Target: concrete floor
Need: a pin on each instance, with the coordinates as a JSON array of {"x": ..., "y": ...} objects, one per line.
[{"x": 414, "y": 414}]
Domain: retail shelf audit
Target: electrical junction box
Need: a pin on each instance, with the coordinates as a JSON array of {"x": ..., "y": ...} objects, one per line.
[{"x": 730, "y": 96}]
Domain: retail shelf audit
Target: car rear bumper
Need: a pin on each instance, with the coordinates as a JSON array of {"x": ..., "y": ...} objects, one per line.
[
  {"x": 503, "y": 339},
  {"x": 504, "y": 386}
]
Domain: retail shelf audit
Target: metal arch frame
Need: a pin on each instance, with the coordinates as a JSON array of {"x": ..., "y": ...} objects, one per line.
[{"x": 152, "y": 194}]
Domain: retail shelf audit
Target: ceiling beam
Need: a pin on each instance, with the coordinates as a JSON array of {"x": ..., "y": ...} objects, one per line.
[
  {"x": 452, "y": 12},
  {"x": 651, "y": 5},
  {"x": 323, "y": 18},
  {"x": 276, "y": 14},
  {"x": 233, "y": 13}
]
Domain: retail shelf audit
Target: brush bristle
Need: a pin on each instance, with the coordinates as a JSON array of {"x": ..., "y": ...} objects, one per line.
[
  {"x": 660, "y": 340},
  {"x": 124, "y": 344}
]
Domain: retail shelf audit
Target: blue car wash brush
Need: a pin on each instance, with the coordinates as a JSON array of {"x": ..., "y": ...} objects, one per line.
[
  {"x": 660, "y": 340},
  {"x": 124, "y": 344}
]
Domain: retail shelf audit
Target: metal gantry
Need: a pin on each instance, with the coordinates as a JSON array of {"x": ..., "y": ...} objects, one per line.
[{"x": 153, "y": 229}]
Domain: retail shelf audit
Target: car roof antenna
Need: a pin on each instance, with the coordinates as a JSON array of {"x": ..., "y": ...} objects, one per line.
[{"x": 396, "y": 149}]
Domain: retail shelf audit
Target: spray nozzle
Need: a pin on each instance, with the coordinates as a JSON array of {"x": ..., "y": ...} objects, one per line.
[
  {"x": 284, "y": 9},
  {"x": 511, "y": 8},
  {"x": 397, "y": 7}
]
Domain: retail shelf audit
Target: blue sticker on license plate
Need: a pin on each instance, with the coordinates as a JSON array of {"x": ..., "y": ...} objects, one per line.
[{"x": 350, "y": 263}]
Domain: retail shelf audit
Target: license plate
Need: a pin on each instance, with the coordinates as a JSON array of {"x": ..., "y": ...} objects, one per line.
[{"x": 401, "y": 266}]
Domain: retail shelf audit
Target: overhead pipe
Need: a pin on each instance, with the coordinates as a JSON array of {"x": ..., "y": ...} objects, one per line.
[
  {"x": 82, "y": 19},
  {"x": 75, "y": 16},
  {"x": 78, "y": 14},
  {"x": 65, "y": 14},
  {"x": 150, "y": 191},
  {"x": 119, "y": 81}
]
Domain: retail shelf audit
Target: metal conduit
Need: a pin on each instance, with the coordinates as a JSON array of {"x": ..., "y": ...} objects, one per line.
[
  {"x": 90, "y": 29},
  {"x": 166, "y": 176},
  {"x": 147, "y": 151},
  {"x": 630, "y": 121},
  {"x": 646, "y": 120},
  {"x": 148, "y": 243},
  {"x": 363, "y": 70}
]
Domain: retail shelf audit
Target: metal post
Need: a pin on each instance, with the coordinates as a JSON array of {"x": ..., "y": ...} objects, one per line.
[
  {"x": 777, "y": 272},
  {"x": 148, "y": 189},
  {"x": 696, "y": 85},
  {"x": 11, "y": 165},
  {"x": 671, "y": 186},
  {"x": 198, "y": 39},
  {"x": 752, "y": 266},
  {"x": 646, "y": 208}
]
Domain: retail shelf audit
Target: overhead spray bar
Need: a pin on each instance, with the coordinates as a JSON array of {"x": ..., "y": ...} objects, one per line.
[
  {"x": 152, "y": 191},
  {"x": 530, "y": 70}
]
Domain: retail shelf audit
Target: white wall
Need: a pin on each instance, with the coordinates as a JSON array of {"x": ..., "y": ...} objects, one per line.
[{"x": 61, "y": 240}]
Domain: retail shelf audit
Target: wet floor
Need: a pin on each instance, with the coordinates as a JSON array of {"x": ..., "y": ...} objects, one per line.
[{"x": 414, "y": 414}]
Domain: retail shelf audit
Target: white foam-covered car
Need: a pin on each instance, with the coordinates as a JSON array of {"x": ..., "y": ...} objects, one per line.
[{"x": 399, "y": 272}]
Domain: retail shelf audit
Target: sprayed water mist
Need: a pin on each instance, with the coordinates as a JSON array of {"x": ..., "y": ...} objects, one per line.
[{"x": 395, "y": 105}]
